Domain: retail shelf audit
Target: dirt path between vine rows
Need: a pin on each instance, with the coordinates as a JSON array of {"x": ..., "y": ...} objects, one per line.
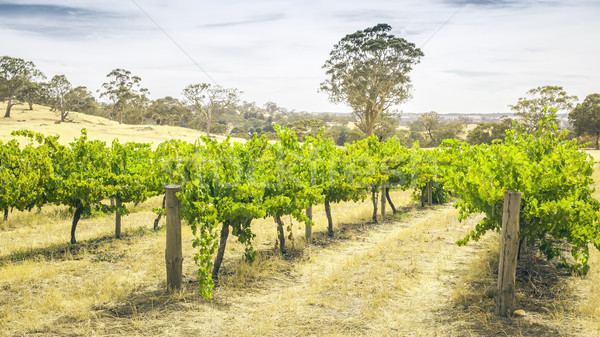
[
  {"x": 396, "y": 278},
  {"x": 399, "y": 278}
]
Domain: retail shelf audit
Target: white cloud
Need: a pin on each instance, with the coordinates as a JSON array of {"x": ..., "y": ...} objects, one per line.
[{"x": 488, "y": 55}]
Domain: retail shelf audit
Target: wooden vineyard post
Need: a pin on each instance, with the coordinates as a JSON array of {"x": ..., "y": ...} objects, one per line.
[
  {"x": 509, "y": 249},
  {"x": 429, "y": 193},
  {"x": 383, "y": 201},
  {"x": 118, "y": 204},
  {"x": 173, "y": 255},
  {"x": 307, "y": 227}
]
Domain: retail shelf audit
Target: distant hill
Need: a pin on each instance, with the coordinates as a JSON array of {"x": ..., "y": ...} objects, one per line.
[{"x": 41, "y": 119}]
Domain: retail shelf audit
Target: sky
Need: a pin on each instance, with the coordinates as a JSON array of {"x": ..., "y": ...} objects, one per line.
[{"x": 479, "y": 55}]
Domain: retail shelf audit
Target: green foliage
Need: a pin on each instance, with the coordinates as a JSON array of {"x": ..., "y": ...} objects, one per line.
[
  {"x": 553, "y": 175},
  {"x": 127, "y": 98},
  {"x": 219, "y": 185},
  {"x": 424, "y": 167},
  {"x": 60, "y": 88},
  {"x": 306, "y": 127},
  {"x": 16, "y": 77},
  {"x": 540, "y": 103},
  {"x": 585, "y": 118},
  {"x": 486, "y": 133},
  {"x": 387, "y": 126},
  {"x": 23, "y": 176},
  {"x": 208, "y": 102},
  {"x": 168, "y": 111},
  {"x": 286, "y": 179},
  {"x": 129, "y": 178},
  {"x": 338, "y": 134},
  {"x": 368, "y": 71},
  {"x": 430, "y": 130}
]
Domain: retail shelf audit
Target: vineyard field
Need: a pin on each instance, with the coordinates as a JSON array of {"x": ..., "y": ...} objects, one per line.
[{"x": 361, "y": 275}]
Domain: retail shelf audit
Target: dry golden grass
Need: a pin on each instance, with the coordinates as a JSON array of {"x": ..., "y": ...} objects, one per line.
[
  {"x": 42, "y": 120},
  {"x": 403, "y": 277}
]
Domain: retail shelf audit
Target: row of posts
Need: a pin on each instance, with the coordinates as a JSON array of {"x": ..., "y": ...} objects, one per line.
[{"x": 509, "y": 246}]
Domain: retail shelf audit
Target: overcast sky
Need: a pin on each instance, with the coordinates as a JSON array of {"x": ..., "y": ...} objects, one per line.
[{"x": 480, "y": 55}]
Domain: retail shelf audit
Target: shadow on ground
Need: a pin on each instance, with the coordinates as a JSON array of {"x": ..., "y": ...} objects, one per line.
[{"x": 542, "y": 292}]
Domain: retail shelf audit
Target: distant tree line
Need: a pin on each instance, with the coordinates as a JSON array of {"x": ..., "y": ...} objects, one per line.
[{"x": 214, "y": 109}]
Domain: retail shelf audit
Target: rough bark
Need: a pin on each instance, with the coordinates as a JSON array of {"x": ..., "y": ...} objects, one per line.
[
  {"x": 76, "y": 217},
  {"x": 281, "y": 234},
  {"x": 220, "y": 251},
  {"x": 160, "y": 215},
  {"x": 118, "y": 219},
  {"x": 6, "y": 214},
  {"x": 509, "y": 249},
  {"x": 8, "y": 106},
  {"x": 383, "y": 202},
  {"x": 208, "y": 127},
  {"x": 329, "y": 220},
  {"x": 374, "y": 196},
  {"x": 307, "y": 227},
  {"x": 387, "y": 196},
  {"x": 173, "y": 250}
]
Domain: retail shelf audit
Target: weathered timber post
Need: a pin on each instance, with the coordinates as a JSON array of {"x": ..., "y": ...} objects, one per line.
[
  {"x": 307, "y": 227},
  {"x": 509, "y": 248},
  {"x": 429, "y": 193},
  {"x": 383, "y": 201},
  {"x": 118, "y": 204},
  {"x": 173, "y": 255},
  {"x": 374, "y": 199}
]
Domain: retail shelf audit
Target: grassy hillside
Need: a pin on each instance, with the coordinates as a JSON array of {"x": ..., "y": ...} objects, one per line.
[{"x": 41, "y": 119}]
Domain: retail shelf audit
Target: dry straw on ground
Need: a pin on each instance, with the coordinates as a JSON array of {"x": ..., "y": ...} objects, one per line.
[{"x": 404, "y": 277}]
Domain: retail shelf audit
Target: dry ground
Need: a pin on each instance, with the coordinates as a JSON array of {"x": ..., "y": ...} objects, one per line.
[
  {"x": 403, "y": 277},
  {"x": 41, "y": 119}
]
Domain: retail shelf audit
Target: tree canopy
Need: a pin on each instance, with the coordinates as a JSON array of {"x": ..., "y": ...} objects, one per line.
[
  {"x": 368, "y": 70},
  {"x": 585, "y": 118},
  {"x": 124, "y": 92},
  {"x": 209, "y": 101},
  {"x": 531, "y": 108},
  {"x": 15, "y": 76},
  {"x": 61, "y": 87}
]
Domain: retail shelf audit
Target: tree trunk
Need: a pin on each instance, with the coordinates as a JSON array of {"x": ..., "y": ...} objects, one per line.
[
  {"x": 30, "y": 105},
  {"x": 118, "y": 219},
  {"x": 220, "y": 251},
  {"x": 160, "y": 215},
  {"x": 382, "y": 202},
  {"x": 329, "y": 220},
  {"x": 6, "y": 214},
  {"x": 8, "y": 106},
  {"x": 281, "y": 234},
  {"x": 76, "y": 218},
  {"x": 307, "y": 227},
  {"x": 208, "y": 123},
  {"x": 374, "y": 199},
  {"x": 597, "y": 141},
  {"x": 522, "y": 247},
  {"x": 387, "y": 196}
]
